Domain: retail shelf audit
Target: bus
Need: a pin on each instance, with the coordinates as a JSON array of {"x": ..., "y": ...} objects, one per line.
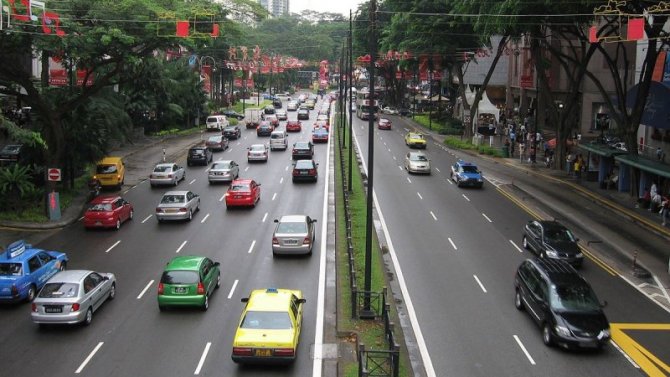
[{"x": 363, "y": 103}]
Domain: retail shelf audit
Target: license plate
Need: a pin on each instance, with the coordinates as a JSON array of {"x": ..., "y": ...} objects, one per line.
[
  {"x": 171, "y": 210},
  {"x": 291, "y": 242},
  {"x": 591, "y": 344},
  {"x": 304, "y": 172},
  {"x": 53, "y": 309},
  {"x": 98, "y": 223},
  {"x": 238, "y": 196},
  {"x": 180, "y": 290},
  {"x": 263, "y": 352}
]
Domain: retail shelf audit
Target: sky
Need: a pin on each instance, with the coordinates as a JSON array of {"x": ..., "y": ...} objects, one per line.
[{"x": 336, "y": 6}]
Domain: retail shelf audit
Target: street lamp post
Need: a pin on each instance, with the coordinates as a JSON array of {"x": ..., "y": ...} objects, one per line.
[
  {"x": 209, "y": 78},
  {"x": 351, "y": 119}
]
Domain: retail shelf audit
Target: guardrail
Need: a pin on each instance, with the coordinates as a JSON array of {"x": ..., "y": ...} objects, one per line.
[{"x": 370, "y": 362}]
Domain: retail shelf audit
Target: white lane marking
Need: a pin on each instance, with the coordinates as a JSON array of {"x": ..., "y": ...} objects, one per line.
[
  {"x": 274, "y": 196},
  {"x": 625, "y": 354},
  {"x": 90, "y": 356},
  {"x": 389, "y": 149},
  {"x": 480, "y": 283},
  {"x": 204, "y": 218},
  {"x": 409, "y": 180},
  {"x": 452, "y": 243},
  {"x": 146, "y": 218},
  {"x": 420, "y": 197},
  {"x": 281, "y": 180},
  {"x": 251, "y": 248},
  {"x": 202, "y": 358},
  {"x": 247, "y": 168},
  {"x": 190, "y": 183},
  {"x": 434, "y": 217},
  {"x": 487, "y": 218},
  {"x": 264, "y": 217},
  {"x": 113, "y": 246},
  {"x": 530, "y": 358},
  {"x": 382, "y": 139},
  {"x": 394, "y": 159},
  {"x": 81, "y": 218},
  {"x": 466, "y": 198},
  {"x": 145, "y": 289},
  {"x": 515, "y": 246},
  {"x": 286, "y": 168},
  {"x": 182, "y": 246},
  {"x": 221, "y": 198},
  {"x": 229, "y": 150},
  {"x": 232, "y": 289},
  {"x": 399, "y": 167},
  {"x": 451, "y": 182},
  {"x": 438, "y": 170}
]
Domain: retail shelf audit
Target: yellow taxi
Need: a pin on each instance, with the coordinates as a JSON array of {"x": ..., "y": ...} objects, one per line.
[
  {"x": 111, "y": 172},
  {"x": 269, "y": 328},
  {"x": 415, "y": 140}
]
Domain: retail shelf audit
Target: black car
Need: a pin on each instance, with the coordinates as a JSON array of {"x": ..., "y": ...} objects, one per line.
[
  {"x": 11, "y": 153},
  {"x": 303, "y": 114},
  {"x": 233, "y": 114},
  {"x": 269, "y": 109},
  {"x": 305, "y": 170},
  {"x": 562, "y": 303},
  {"x": 550, "y": 239},
  {"x": 232, "y": 132},
  {"x": 199, "y": 155},
  {"x": 264, "y": 129},
  {"x": 302, "y": 149},
  {"x": 276, "y": 103},
  {"x": 405, "y": 112}
]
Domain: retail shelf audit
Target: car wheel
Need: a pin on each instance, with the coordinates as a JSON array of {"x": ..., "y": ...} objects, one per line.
[
  {"x": 162, "y": 308},
  {"x": 31, "y": 293},
  {"x": 218, "y": 281},
  {"x": 176, "y": 182},
  {"x": 188, "y": 163},
  {"x": 89, "y": 317},
  {"x": 117, "y": 226},
  {"x": 205, "y": 305},
  {"x": 62, "y": 266},
  {"x": 159, "y": 219},
  {"x": 132, "y": 213},
  {"x": 112, "y": 292},
  {"x": 190, "y": 214},
  {"x": 518, "y": 303},
  {"x": 547, "y": 337},
  {"x": 525, "y": 243}
]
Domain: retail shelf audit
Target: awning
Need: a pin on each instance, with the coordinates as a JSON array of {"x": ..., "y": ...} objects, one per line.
[
  {"x": 602, "y": 150},
  {"x": 656, "y": 112},
  {"x": 645, "y": 164}
]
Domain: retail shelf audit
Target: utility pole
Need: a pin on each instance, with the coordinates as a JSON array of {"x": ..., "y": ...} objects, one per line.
[
  {"x": 342, "y": 103},
  {"x": 367, "y": 312},
  {"x": 351, "y": 119}
]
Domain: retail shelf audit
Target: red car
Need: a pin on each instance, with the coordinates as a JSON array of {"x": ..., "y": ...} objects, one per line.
[
  {"x": 293, "y": 126},
  {"x": 243, "y": 192},
  {"x": 107, "y": 212},
  {"x": 322, "y": 123},
  {"x": 320, "y": 135},
  {"x": 384, "y": 124}
]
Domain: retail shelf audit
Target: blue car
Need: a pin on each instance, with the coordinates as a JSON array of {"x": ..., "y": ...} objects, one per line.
[
  {"x": 466, "y": 174},
  {"x": 24, "y": 270}
]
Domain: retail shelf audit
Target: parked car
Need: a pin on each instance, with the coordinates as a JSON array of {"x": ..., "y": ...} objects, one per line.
[
  {"x": 72, "y": 296},
  {"x": 232, "y": 132},
  {"x": 243, "y": 192},
  {"x": 562, "y": 303},
  {"x": 417, "y": 162},
  {"x": 177, "y": 205},
  {"x": 188, "y": 281},
  {"x": 217, "y": 143},
  {"x": 305, "y": 170},
  {"x": 107, "y": 212},
  {"x": 293, "y": 234},
  {"x": 293, "y": 126},
  {"x": 302, "y": 149},
  {"x": 199, "y": 155},
  {"x": 223, "y": 171},
  {"x": 167, "y": 173},
  {"x": 551, "y": 239},
  {"x": 257, "y": 152}
]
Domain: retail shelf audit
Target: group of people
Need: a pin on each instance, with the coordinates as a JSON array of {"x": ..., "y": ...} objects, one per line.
[
  {"x": 655, "y": 201},
  {"x": 575, "y": 164}
]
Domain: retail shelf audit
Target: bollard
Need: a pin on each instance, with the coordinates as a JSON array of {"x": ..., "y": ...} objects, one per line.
[{"x": 163, "y": 154}]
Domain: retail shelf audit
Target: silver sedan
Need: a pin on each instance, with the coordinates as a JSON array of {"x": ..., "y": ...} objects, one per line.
[
  {"x": 293, "y": 234},
  {"x": 167, "y": 174},
  {"x": 257, "y": 152},
  {"x": 177, "y": 205},
  {"x": 417, "y": 162},
  {"x": 223, "y": 171},
  {"x": 72, "y": 296}
]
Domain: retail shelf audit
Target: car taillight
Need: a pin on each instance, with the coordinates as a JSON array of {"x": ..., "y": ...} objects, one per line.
[
  {"x": 201, "y": 289},
  {"x": 248, "y": 153},
  {"x": 284, "y": 351},
  {"x": 275, "y": 241},
  {"x": 159, "y": 210},
  {"x": 15, "y": 290},
  {"x": 183, "y": 209},
  {"x": 306, "y": 241},
  {"x": 296, "y": 172},
  {"x": 118, "y": 176},
  {"x": 33, "y": 307},
  {"x": 169, "y": 175},
  {"x": 75, "y": 307},
  {"x": 242, "y": 351},
  {"x": 161, "y": 288},
  {"x": 312, "y": 171}
]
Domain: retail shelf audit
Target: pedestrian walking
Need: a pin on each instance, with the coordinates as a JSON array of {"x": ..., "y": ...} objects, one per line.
[
  {"x": 577, "y": 167},
  {"x": 522, "y": 152},
  {"x": 665, "y": 210},
  {"x": 570, "y": 161}
]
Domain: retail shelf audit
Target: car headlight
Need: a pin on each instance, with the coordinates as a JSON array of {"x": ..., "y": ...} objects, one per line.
[
  {"x": 480, "y": 179},
  {"x": 604, "y": 334},
  {"x": 562, "y": 330},
  {"x": 551, "y": 253},
  {"x": 579, "y": 255}
]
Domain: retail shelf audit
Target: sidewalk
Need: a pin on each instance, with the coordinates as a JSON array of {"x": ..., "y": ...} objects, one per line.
[{"x": 629, "y": 239}]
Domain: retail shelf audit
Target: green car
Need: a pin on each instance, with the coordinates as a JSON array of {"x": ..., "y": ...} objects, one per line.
[{"x": 188, "y": 281}]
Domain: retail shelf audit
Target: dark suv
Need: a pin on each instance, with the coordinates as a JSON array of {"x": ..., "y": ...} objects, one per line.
[
  {"x": 562, "y": 303},
  {"x": 199, "y": 155},
  {"x": 550, "y": 239}
]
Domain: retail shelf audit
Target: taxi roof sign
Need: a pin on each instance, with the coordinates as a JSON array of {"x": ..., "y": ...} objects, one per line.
[
  {"x": 271, "y": 290},
  {"x": 16, "y": 248}
]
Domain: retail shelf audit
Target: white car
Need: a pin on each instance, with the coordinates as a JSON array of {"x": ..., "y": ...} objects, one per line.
[
  {"x": 417, "y": 162},
  {"x": 389, "y": 110},
  {"x": 167, "y": 174},
  {"x": 292, "y": 106},
  {"x": 223, "y": 171},
  {"x": 257, "y": 152}
]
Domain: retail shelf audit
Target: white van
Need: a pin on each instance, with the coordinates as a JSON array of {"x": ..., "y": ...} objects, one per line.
[
  {"x": 278, "y": 140},
  {"x": 216, "y": 122}
]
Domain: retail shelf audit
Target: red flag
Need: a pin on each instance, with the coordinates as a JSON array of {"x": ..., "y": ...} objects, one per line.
[
  {"x": 215, "y": 30},
  {"x": 635, "y": 29},
  {"x": 593, "y": 34},
  {"x": 182, "y": 29}
]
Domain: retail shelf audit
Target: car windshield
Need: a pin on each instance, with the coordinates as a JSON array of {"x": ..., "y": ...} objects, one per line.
[
  {"x": 197, "y": 152},
  {"x": 105, "y": 169},
  {"x": 267, "y": 320},
  {"x": 214, "y": 139},
  {"x": 277, "y": 136},
  {"x": 574, "y": 297},
  {"x": 558, "y": 235},
  {"x": 470, "y": 169},
  {"x": 416, "y": 136},
  {"x": 59, "y": 290},
  {"x": 301, "y": 146},
  {"x": 180, "y": 277},
  {"x": 229, "y": 129},
  {"x": 240, "y": 187},
  {"x": 11, "y": 149},
  {"x": 162, "y": 169},
  {"x": 212, "y": 120},
  {"x": 100, "y": 207},
  {"x": 221, "y": 165},
  {"x": 292, "y": 227},
  {"x": 417, "y": 157},
  {"x": 304, "y": 164},
  {"x": 173, "y": 199},
  {"x": 10, "y": 269},
  {"x": 257, "y": 148}
]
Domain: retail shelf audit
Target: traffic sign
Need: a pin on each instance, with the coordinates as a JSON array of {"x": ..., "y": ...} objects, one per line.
[{"x": 53, "y": 174}]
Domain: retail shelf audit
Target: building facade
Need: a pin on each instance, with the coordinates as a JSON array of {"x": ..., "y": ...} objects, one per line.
[{"x": 277, "y": 8}]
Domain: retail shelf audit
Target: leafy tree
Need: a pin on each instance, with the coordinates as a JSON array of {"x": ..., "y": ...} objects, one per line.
[{"x": 15, "y": 182}]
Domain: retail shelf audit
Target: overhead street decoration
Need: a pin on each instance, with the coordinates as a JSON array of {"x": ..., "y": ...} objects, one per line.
[
  {"x": 28, "y": 12},
  {"x": 611, "y": 18}
]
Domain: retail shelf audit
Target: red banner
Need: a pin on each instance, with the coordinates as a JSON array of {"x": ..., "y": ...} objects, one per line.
[
  {"x": 206, "y": 77},
  {"x": 239, "y": 83}
]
